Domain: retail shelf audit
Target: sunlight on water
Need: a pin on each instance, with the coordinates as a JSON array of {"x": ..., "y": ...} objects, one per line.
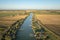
[
  {"x": 25, "y": 32},
  {"x": 31, "y": 35}
]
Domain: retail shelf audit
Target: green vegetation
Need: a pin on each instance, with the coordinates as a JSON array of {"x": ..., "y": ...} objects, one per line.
[
  {"x": 47, "y": 34},
  {"x": 10, "y": 34},
  {"x": 12, "y": 20},
  {"x": 39, "y": 29},
  {"x": 40, "y": 32}
]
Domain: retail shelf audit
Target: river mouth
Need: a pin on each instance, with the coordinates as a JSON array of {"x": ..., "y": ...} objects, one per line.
[{"x": 25, "y": 32}]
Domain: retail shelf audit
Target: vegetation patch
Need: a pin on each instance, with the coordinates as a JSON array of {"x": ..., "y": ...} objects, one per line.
[{"x": 43, "y": 33}]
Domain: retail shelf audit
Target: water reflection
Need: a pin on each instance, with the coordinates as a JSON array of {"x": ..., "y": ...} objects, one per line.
[{"x": 26, "y": 32}]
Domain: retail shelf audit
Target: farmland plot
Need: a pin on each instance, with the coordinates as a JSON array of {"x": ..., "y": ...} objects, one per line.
[
  {"x": 6, "y": 20},
  {"x": 52, "y": 22}
]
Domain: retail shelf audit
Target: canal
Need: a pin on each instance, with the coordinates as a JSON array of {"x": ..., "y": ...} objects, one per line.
[{"x": 25, "y": 32}]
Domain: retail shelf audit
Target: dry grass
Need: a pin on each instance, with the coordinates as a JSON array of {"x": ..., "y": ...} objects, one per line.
[
  {"x": 52, "y": 22},
  {"x": 49, "y": 19},
  {"x": 10, "y": 19},
  {"x": 7, "y": 18},
  {"x": 6, "y": 22}
]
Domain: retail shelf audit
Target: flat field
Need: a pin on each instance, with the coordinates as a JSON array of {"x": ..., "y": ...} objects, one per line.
[
  {"x": 52, "y": 22},
  {"x": 10, "y": 19},
  {"x": 7, "y": 18}
]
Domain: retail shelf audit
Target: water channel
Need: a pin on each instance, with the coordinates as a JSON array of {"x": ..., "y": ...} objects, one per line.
[{"x": 25, "y": 32}]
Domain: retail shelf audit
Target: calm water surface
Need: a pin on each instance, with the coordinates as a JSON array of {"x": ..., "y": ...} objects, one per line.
[{"x": 25, "y": 32}]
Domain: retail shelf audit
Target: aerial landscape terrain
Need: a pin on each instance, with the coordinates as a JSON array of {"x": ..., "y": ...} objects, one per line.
[
  {"x": 49, "y": 20},
  {"x": 29, "y": 19}
]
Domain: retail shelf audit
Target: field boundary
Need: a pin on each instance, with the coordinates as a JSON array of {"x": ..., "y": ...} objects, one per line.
[
  {"x": 11, "y": 28},
  {"x": 50, "y": 31}
]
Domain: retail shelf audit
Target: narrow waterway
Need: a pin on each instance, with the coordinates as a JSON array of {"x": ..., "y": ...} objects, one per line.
[{"x": 25, "y": 32}]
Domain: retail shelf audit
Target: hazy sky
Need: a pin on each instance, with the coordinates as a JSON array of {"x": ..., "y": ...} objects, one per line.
[{"x": 29, "y": 4}]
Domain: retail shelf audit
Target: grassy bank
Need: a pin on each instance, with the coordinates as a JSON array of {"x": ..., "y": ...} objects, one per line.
[
  {"x": 10, "y": 33},
  {"x": 37, "y": 26}
]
